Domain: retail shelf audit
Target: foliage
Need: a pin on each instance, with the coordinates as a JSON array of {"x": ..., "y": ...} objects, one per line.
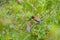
[{"x": 14, "y": 14}]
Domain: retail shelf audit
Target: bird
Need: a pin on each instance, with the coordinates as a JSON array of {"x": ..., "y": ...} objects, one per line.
[{"x": 36, "y": 19}]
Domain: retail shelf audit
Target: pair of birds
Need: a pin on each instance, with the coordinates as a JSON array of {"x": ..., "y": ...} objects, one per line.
[{"x": 36, "y": 21}]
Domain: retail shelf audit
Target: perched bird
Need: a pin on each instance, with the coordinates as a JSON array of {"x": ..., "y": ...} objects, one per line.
[{"x": 37, "y": 20}]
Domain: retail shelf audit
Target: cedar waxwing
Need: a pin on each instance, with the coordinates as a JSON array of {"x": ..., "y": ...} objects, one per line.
[{"x": 37, "y": 20}]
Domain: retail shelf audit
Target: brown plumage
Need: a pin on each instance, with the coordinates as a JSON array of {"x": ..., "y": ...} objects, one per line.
[{"x": 37, "y": 20}]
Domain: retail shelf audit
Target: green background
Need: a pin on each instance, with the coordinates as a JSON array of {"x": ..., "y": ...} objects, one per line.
[{"x": 14, "y": 14}]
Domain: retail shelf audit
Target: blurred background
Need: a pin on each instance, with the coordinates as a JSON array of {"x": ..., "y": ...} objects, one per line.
[{"x": 15, "y": 13}]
